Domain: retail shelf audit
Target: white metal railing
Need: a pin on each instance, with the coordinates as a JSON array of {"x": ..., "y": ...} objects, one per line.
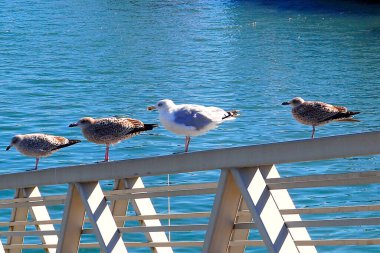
[{"x": 250, "y": 195}]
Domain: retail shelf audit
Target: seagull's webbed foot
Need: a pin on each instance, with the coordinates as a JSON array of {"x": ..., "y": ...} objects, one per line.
[{"x": 103, "y": 161}]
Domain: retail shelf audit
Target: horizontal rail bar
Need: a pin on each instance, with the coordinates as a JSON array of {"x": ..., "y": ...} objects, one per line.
[
  {"x": 337, "y": 242},
  {"x": 362, "y": 144},
  {"x": 338, "y": 209},
  {"x": 28, "y": 233},
  {"x": 96, "y": 245},
  {"x": 117, "y": 218},
  {"x": 176, "y": 228},
  {"x": 368, "y": 177},
  {"x": 246, "y": 243},
  {"x": 320, "y": 223},
  {"x": 245, "y": 225},
  {"x": 162, "y": 189},
  {"x": 152, "y": 244},
  {"x": 330, "y": 242},
  {"x": 33, "y": 203},
  {"x": 334, "y": 223},
  {"x": 163, "y": 194},
  {"x": 32, "y": 199},
  {"x": 29, "y": 246},
  {"x": 26, "y": 223},
  {"x": 164, "y": 216}
]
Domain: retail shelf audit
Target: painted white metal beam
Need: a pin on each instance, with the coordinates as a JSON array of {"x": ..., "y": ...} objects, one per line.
[
  {"x": 250, "y": 156},
  {"x": 264, "y": 210},
  {"x": 119, "y": 207},
  {"x": 72, "y": 222},
  {"x": 18, "y": 214},
  {"x": 240, "y": 234},
  {"x": 40, "y": 213},
  {"x": 106, "y": 231},
  {"x": 284, "y": 201},
  {"x": 144, "y": 206},
  {"x": 223, "y": 215},
  {"x": 1, "y": 247}
]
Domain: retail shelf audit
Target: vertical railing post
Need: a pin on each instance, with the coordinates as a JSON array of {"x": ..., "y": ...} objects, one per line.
[
  {"x": 240, "y": 234},
  {"x": 223, "y": 215},
  {"x": 119, "y": 207},
  {"x": 38, "y": 213},
  {"x": 72, "y": 222},
  {"x": 18, "y": 214}
]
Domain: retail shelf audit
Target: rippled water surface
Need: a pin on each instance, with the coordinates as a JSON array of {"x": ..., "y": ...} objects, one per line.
[{"x": 63, "y": 60}]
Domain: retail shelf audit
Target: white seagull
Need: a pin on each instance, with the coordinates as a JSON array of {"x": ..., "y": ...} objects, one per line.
[{"x": 191, "y": 120}]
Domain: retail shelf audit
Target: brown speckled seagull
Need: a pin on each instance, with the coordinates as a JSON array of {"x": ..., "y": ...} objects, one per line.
[
  {"x": 39, "y": 145},
  {"x": 109, "y": 131},
  {"x": 314, "y": 113}
]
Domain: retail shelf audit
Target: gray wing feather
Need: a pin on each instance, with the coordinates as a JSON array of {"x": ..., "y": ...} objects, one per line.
[{"x": 192, "y": 118}]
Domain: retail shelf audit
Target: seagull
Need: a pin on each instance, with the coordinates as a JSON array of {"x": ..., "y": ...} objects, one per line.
[
  {"x": 109, "y": 131},
  {"x": 39, "y": 145},
  {"x": 315, "y": 113},
  {"x": 190, "y": 120}
]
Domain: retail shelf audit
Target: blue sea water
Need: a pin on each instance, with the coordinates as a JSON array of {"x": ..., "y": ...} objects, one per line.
[{"x": 63, "y": 60}]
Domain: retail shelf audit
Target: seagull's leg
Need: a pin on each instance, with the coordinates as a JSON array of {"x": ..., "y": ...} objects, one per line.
[
  {"x": 106, "y": 157},
  {"x": 187, "y": 142},
  {"x": 37, "y": 160},
  {"x": 312, "y": 134}
]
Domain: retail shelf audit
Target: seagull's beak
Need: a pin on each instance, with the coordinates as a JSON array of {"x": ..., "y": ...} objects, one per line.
[
  {"x": 73, "y": 125},
  {"x": 151, "y": 108},
  {"x": 285, "y": 103},
  {"x": 8, "y": 148}
]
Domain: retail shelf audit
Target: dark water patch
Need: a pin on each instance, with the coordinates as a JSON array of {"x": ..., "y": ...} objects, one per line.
[{"x": 341, "y": 7}]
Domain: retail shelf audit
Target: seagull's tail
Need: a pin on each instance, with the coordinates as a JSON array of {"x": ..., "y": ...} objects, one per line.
[
  {"x": 139, "y": 130},
  {"x": 148, "y": 127},
  {"x": 71, "y": 142},
  {"x": 345, "y": 117},
  {"x": 348, "y": 120},
  {"x": 231, "y": 115},
  {"x": 352, "y": 113}
]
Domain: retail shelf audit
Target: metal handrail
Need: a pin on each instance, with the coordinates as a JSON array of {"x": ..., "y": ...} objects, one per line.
[{"x": 341, "y": 146}]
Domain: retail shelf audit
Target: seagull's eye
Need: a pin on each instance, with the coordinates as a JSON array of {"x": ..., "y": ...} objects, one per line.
[{"x": 159, "y": 104}]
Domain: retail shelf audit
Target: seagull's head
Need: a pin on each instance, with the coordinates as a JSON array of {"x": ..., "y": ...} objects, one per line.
[
  {"x": 15, "y": 140},
  {"x": 83, "y": 122},
  {"x": 162, "y": 105},
  {"x": 294, "y": 102}
]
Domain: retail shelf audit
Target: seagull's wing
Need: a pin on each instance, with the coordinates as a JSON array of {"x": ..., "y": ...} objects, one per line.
[
  {"x": 319, "y": 111},
  {"x": 216, "y": 113},
  {"x": 45, "y": 142},
  {"x": 116, "y": 127},
  {"x": 62, "y": 142},
  {"x": 192, "y": 116}
]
